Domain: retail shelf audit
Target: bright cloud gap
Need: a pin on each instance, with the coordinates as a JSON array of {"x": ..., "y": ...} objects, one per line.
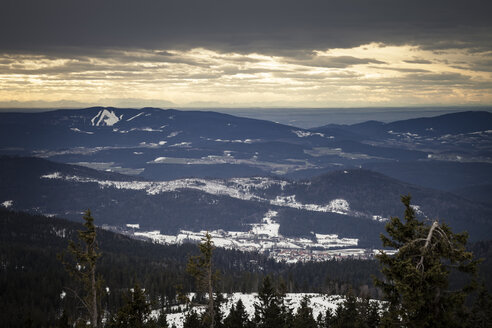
[{"x": 368, "y": 75}]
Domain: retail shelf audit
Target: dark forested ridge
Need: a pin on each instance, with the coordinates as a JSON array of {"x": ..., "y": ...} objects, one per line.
[
  {"x": 32, "y": 278},
  {"x": 198, "y": 206}
]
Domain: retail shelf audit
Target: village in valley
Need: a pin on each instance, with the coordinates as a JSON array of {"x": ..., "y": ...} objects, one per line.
[{"x": 264, "y": 238}]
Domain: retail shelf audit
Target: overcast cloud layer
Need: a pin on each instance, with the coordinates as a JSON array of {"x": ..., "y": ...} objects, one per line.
[{"x": 269, "y": 52}]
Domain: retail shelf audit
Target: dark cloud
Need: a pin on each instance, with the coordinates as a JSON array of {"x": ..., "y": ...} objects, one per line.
[
  {"x": 484, "y": 65},
  {"x": 273, "y": 26},
  {"x": 418, "y": 61},
  {"x": 339, "y": 76},
  {"x": 335, "y": 61},
  {"x": 402, "y": 70}
]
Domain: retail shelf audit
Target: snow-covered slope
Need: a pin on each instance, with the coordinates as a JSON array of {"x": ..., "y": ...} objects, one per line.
[
  {"x": 318, "y": 302},
  {"x": 105, "y": 117}
]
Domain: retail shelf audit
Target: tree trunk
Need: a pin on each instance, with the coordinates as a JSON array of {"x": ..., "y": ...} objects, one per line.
[
  {"x": 94, "y": 317},
  {"x": 210, "y": 296}
]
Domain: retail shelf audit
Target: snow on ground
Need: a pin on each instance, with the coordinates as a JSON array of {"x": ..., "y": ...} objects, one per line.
[
  {"x": 7, "y": 203},
  {"x": 318, "y": 302},
  {"x": 304, "y": 134},
  {"x": 105, "y": 117},
  {"x": 173, "y": 134},
  {"x": 145, "y": 129},
  {"x": 59, "y": 232},
  {"x": 134, "y": 117},
  {"x": 183, "y": 144},
  {"x": 379, "y": 218},
  {"x": 133, "y": 226},
  {"x": 340, "y": 206},
  {"x": 240, "y": 188},
  {"x": 54, "y": 175},
  {"x": 417, "y": 209},
  {"x": 246, "y": 141},
  {"x": 80, "y": 131},
  {"x": 268, "y": 226}
]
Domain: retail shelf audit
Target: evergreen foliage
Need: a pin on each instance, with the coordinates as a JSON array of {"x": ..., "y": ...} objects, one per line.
[
  {"x": 270, "y": 311},
  {"x": 200, "y": 267},
  {"x": 416, "y": 280},
  {"x": 83, "y": 269},
  {"x": 192, "y": 320},
  {"x": 30, "y": 271},
  {"x": 304, "y": 316},
  {"x": 481, "y": 313},
  {"x": 237, "y": 317},
  {"x": 135, "y": 313}
]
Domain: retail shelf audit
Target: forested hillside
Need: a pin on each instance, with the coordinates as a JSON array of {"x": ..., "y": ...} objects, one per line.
[{"x": 33, "y": 278}]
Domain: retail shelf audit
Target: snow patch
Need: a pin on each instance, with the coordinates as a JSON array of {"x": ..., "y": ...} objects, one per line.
[
  {"x": 145, "y": 129},
  {"x": 319, "y": 303},
  {"x": 7, "y": 203},
  {"x": 134, "y": 117},
  {"x": 105, "y": 117},
  {"x": 80, "y": 131},
  {"x": 240, "y": 188},
  {"x": 173, "y": 134},
  {"x": 55, "y": 175},
  {"x": 182, "y": 144},
  {"x": 340, "y": 206},
  {"x": 133, "y": 226},
  {"x": 61, "y": 233},
  {"x": 304, "y": 134},
  {"x": 268, "y": 226},
  {"x": 379, "y": 218},
  {"x": 417, "y": 209}
]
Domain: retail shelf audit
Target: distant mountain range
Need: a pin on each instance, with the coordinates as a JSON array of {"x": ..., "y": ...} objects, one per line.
[
  {"x": 169, "y": 144},
  {"x": 171, "y": 170}
]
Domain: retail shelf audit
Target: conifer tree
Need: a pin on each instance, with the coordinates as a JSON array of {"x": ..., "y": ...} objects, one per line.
[
  {"x": 200, "y": 267},
  {"x": 304, "y": 316},
  {"x": 162, "y": 320},
  {"x": 237, "y": 318},
  {"x": 481, "y": 314},
  {"x": 327, "y": 321},
  {"x": 269, "y": 312},
  {"x": 219, "y": 300},
  {"x": 192, "y": 320},
  {"x": 416, "y": 280},
  {"x": 85, "y": 254},
  {"x": 136, "y": 311},
  {"x": 346, "y": 314}
]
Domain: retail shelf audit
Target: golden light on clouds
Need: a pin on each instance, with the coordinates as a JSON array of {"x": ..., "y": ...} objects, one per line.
[{"x": 368, "y": 75}]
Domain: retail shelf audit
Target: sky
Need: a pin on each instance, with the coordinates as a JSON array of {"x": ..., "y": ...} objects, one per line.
[{"x": 234, "y": 53}]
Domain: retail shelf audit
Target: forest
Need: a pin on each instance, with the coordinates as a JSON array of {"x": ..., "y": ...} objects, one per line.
[{"x": 447, "y": 281}]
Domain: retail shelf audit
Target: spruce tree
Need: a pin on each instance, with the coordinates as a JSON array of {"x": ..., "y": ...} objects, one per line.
[
  {"x": 416, "y": 280},
  {"x": 192, "y": 320},
  {"x": 136, "y": 311},
  {"x": 481, "y": 314},
  {"x": 269, "y": 313},
  {"x": 347, "y": 314},
  {"x": 237, "y": 317},
  {"x": 304, "y": 316},
  {"x": 200, "y": 267},
  {"x": 82, "y": 268}
]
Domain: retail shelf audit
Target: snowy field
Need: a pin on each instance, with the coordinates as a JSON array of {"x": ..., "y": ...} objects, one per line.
[{"x": 318, "y": 302}]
